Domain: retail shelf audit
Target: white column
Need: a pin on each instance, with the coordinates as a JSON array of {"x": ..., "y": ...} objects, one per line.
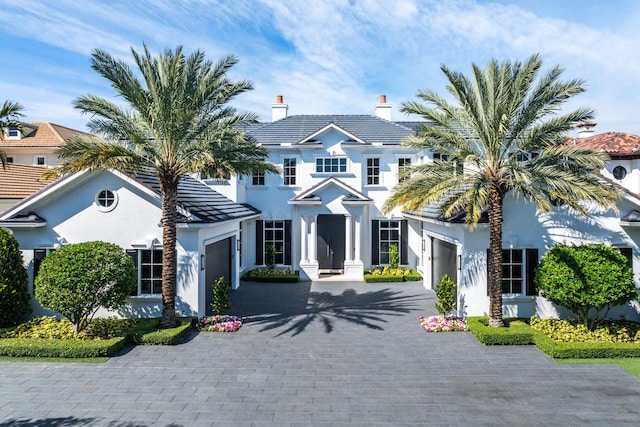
[
  {"x": 303, "y": 239},
  {"x": 313, "y": 239},
  {"x": 347, "y": 241},
  {"x": 357, "y": 237}
]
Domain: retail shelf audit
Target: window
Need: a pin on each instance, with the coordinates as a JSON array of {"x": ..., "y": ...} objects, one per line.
[
  {"x": 403, "y": 164},
  {"x": 276, "y": 233},
  {"x": 289, "y": 171},
  {"x": 38, "y": 256},
  {"x": 13, "y": 133},
  {"x": 518, "y": 271},
  {"x": 386, "y": 233},
  {"x": 441, "y": 157},
  {"x": 331, "y": 164},
  {"x": 148, "y": 264},
  {"x": 257, "y": 178},
  {"x": 106, "y": 199},
  {"x": 619, "y": 172},
  {"x": 628, "y": 254},
  {"x": 445, "y": 158},
  {"x": 41, "y": 161},
  {"x": 373, "y": 171},
  {"x": 9, "y": 159}
]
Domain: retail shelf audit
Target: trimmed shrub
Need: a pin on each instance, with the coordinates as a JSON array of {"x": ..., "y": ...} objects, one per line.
[
  {"x": 446, "y": 293},
  {"x": 586, "y": 279},
  {"x": 78, "y": 279},
  {"x": 271, "y": 257},
  {"x": 221, "y": 302},
  {"x": 46, "y": 347},
  {"x": 15, "y": 302},
  {"x": 167, "y": 336},
  {"x": 394, "y": 256},
  {"x": 272, "y": 275},
  {"x": 388, "y": 274},
  {"x": 515, "y": 331}
]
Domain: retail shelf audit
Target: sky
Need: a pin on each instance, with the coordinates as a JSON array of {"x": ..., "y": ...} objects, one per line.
[{"x": 323, "y": 56}]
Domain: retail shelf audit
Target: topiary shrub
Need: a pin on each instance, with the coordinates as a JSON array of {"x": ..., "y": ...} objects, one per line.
[
  {"x": 271, "y": 257},
  {"x": 446, "y": 293},
  {"x": 78, "y": 279},
  {"x": 15, "y": 301},
  {"x": 221, "y": 302},
  {"x": 588, "y": 280},
  {"x": 394, "y": 256}
]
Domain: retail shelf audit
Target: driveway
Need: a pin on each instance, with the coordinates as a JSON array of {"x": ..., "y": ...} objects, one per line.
[{"x": 321, "y": 353}]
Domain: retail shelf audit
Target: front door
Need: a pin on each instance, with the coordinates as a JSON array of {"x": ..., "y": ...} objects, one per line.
[
  {"x": 443, "y": 255},
  {"x": 331, "y": 234}
]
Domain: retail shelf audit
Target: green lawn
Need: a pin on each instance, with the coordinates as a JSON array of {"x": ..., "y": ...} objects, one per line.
[
  {"x": 631, "y": 364},
  {"x": 54, "y": 359}
]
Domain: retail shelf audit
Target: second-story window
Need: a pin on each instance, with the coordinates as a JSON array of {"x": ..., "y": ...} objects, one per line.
[
  {"x": 403, "y": 164},
  {"x": 331, "y": 164},
  {"x": 13, "y": 133},
  {"x": 373, "y": 171},
  {"x": 289, "y": 171}
]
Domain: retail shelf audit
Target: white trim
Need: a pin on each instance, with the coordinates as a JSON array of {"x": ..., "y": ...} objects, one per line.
[{"x": 334, "y": 127}]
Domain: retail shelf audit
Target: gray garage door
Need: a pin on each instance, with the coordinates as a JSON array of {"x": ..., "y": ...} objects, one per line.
[{"x": 217, "y": 264}]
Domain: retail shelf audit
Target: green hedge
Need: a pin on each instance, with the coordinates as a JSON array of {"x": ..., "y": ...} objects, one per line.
[
  {"x": 379, "y": 278},
  {"x": 275, "y": 275},
  {"x": 44, "y": 347},
  {"x": 166, "y": 336},
  {"x": 518, "y": 332},
  {"x": 515, "y": 332}
]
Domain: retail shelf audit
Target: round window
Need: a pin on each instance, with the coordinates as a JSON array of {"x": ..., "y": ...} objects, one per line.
[
  {"x": 619, "y": 172},
  {"x": 106, "y": 200}
]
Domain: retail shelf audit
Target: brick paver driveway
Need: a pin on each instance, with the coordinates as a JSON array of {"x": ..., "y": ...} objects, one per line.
[{"x": 332, "y": 353}]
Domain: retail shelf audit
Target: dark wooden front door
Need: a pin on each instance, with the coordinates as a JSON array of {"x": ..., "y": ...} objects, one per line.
[
  {"x": 217, "y": 264},
  {"x": 331, "y": 231}
]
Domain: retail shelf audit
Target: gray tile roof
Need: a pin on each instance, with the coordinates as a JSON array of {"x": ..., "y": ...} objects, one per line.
[
  {"x": 433, "y": 212},
  {"x": 292, "y": 129},
  {"x": 205, "y": 204}
]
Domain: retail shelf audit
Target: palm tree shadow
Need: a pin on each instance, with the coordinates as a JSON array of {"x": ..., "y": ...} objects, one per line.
[{"x": 369, "y": 310}]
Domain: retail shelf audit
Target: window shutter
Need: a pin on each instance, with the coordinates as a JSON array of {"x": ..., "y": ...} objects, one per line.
[
  {"x": 628, "y": 254},
  {"x": 404, "y": 246},
  {"x": 375, "y": 242},
  {"x": 133, "y": 253},
  {"x": 287, "y": 242},
  {"x": 38, "y": 256},
  {"x": 259, "y": 242},
  {"x": 532, "y": 263}
]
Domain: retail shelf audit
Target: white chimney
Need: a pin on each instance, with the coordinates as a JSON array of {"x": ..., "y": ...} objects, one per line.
[
  {"x": 585, "y": 129},
  {"x": 279, "y": 109},
  {"x": 383, "y": 110}
]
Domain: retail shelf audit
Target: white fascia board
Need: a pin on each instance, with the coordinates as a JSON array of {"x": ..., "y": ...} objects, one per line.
[{"x": 334, "y": 127}]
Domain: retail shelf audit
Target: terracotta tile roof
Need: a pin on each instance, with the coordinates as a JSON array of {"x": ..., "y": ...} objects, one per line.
[
  {"x": 42, "y": 134},
  {"x": 19, "y": 181},
  {"x": 613, "y": 143}
]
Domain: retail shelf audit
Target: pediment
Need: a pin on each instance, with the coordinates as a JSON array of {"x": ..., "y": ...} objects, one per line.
[
  {"x": 327, "y": 187},
  {"x": 313, "y": 138}
]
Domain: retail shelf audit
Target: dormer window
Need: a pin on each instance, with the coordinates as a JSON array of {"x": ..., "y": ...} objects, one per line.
[{"x": 13, "y": 133}]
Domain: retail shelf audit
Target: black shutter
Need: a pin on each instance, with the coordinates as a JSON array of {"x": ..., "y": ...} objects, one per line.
[
  {"x": 287, "y": 242},
  {"x": 532, "y": 263},
  {"x": 628, "y": 254},
  {"x": 133, "y": 253},
  {"x": 404, "y": 246},
  {"x": 259, "y": 242},
  {"x": 375, "y": 242},
  {"x": 38, "y": 256}
]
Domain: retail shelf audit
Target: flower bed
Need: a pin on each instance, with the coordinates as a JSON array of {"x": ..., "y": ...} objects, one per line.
[
  {"x": 220, "y": 323},
  {"x": 387, "y": 274},
  {"x": 442, "y": 324}
]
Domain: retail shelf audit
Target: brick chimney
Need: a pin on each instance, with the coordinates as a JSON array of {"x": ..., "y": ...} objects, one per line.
[
  {"x": 383, "y": 110},
  {"x": 279, "y": 109},
  {"x": 585, "y": 129}
]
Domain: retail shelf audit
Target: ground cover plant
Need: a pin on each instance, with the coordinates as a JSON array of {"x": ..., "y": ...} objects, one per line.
[
  {"x": 442, "y": 324},
  {"x": 587, "y": 279},
  {"x": 220, "y": 323}
]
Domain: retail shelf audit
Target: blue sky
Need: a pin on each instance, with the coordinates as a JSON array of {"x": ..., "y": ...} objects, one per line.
[{"x": 324, "y": 57}]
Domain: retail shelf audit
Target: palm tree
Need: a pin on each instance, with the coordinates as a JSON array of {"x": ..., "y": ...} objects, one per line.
[
  {"x": 505, "y": 126},
  {"x": 176, "y": 121},
  {"x": 10, "y": 112}
]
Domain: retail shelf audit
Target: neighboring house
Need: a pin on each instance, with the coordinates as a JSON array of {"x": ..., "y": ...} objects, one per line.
[
  {"x": 322, "y": 213},
  {"x": 36, "y": 143},
  {"x": 19, "y": 181},
  {"x": 126, "y": 210}
]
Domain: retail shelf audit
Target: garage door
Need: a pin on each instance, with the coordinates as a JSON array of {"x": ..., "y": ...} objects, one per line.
[{"x": 217, "y": 264}]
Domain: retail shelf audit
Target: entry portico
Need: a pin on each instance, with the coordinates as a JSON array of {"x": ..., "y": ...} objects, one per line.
[{"x": 329, "y": 218}]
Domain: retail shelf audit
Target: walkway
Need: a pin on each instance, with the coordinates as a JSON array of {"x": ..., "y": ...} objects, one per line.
[{"x": 327, "y": 353}]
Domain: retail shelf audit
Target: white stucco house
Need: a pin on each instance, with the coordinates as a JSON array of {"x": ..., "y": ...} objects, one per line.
[
  {"x": 323, "y": 215},
  {"x": 126, "y": 210}
]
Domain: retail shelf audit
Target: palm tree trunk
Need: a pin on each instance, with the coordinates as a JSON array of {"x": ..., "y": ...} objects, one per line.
[
  {"x": 494, "y": 263},
  {"x": 169, "y": 192}
]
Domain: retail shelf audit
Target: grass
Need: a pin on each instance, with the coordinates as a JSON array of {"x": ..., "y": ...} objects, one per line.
[
  {"x": 55, "y": 359},
  {"x": 631, "y": 365}
]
